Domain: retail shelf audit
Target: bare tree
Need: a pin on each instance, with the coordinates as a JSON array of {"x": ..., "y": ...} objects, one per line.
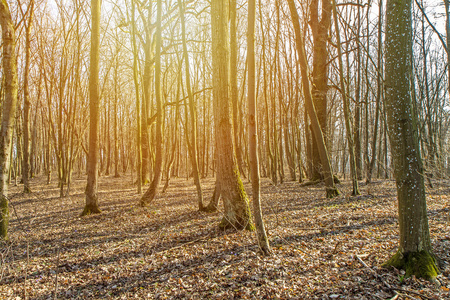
[
  {"x": 91, "y": 206},
  {"x": 414, "y": 254},
  {"x": 8, "y": 111}
]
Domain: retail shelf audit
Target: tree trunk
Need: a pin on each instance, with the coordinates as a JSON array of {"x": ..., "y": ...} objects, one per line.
[
  {"x": 193, "y": 114},
  {"x": 150, "y": 194},
  {"x": 138, "y": 99},
  {"x": 348, "y": 126},
  {"x": 26, "y": 104},
  {"x": 331, "y": 190},
  {"x": 379, "y": 92},
  {"x": 91, "y": 206},
  {"x": 414, "y": 255},
  {"x": 8, "y": 111},
  {"x": 237, "y": 211},
  {"x": 320, "y": 28},
  {"x": 262, "y": 239}
]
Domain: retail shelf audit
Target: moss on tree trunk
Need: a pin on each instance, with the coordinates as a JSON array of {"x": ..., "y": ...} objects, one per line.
[{"x": 421, "y": 264}]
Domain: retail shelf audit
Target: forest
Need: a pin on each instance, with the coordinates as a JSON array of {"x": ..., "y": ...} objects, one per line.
[{"x": 225, "y": 149}]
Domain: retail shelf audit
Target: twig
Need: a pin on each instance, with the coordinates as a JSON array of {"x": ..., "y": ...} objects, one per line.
[
  {"x": 412, "y": 292},
  {"x": 373, "y": 271}
]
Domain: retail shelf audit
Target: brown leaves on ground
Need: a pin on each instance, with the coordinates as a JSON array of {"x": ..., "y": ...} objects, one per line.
[{"x": 170, "y": 250}]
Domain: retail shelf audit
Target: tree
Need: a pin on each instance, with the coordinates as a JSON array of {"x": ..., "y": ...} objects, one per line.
[
  {"x": 150, "y": 194},
  {"x": 331, "y": 189},
  {"x": 237, "y": 211},
  {"x": 319, "y": 28},
  {"x": 192, "y": 143},
  {"x": 91, "y": 206},
  {"x": 345, "y": 101},
  {"x": 26, "y": 103},
  {"x": 263, "y": 241},
  {"x": 414, "y": 254},
  {"x": 8, "y": 111}
]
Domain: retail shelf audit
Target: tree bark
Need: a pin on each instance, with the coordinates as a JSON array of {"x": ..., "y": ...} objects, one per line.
[
  {"x": 414, "y": 254},
  {"x": 91, "y": 206},
  {"x": 150, "y": 194},
  {"x": 348, "y": 126},
  {"x": 8, "y": 111},
  {"x": 193, "y": 113},
  {"x": 331, "y": 189},
  {"x": 237, "y": 212},
  {"x": 26, "y": 104},
  {"x": 262, "y": 239}
]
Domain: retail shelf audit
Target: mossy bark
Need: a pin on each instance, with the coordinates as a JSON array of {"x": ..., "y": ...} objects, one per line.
[
  {"x": 236, "y": 205},
  {"x": 421, "y": 264},
  {"x": 90, "y": 209},
  {"x": 415, "y": 253}
]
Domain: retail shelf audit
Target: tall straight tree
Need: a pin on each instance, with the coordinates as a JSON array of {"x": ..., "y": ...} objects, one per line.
[
  {"x": 8, "y": 111},
  {"x": 91, "y": 206},
  {"x": 192, "y": 144},
  {"x": 26, "y": 103},
  {"x": 320, "y": 24},
  {"x": 414, "y": 254},
  {"x": 150, "y": 194},
  {"x": 331, "y": 189},
  {"x": 237, "y": 211},
  {"x": 348, "y": 124},
  {"x": 138, "y": 98},
  {"x": 263, "y": 241}
]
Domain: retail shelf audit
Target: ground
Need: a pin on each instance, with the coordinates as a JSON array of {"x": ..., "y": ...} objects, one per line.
[{"x": 322, "y": 248}]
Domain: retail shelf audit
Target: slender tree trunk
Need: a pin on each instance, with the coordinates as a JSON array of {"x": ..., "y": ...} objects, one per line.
[
  {"x": 150, "y": 194},
  {"x": 147, "y": 95},
  {"x": 91, "y": 206},
  {"x": 26, "y": 104},
  {"x": 348, "y": 126},
  {"x": 415, "y": 254},
  {"x": 138, "y": 100},
  {"x": 379, "y": 92},
  {"x": 193, "y": 113},
  {"x": 357, "y": 124},
  {"x": 331, "y": 189},
  {"x": 262, "y": 239},
  {"x": 8, "y": 111}
]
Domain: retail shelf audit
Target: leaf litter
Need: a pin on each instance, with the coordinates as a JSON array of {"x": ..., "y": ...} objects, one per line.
[{"x": 322, "y": 248}]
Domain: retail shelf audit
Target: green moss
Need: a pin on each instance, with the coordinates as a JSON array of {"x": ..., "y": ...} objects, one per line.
[
  {"x": 332, "y": 192},
  {"x": 90, "y": 209},
  {"x": 421, "y": 264}
]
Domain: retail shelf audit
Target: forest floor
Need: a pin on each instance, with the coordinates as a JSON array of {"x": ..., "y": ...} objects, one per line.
[{"x": 322, "y": 248}]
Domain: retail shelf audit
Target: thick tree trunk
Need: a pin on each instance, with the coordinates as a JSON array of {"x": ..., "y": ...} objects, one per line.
[
  {"x": 8, "y": 111},
  {"x": 237, "y": 212},
  {"x": 414, "y": 255},
  {"x": 320, "y": 28},
  {"x": 91, "y": 206}
]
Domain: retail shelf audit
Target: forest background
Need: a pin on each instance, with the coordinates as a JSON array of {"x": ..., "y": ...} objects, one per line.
[{"x": 151, "y": 115}]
